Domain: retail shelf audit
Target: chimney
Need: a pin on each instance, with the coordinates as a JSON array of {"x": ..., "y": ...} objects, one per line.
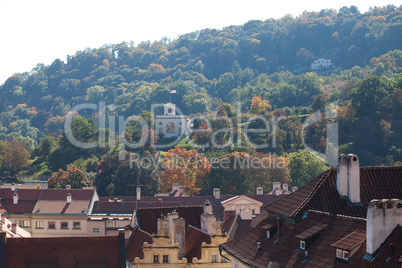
[
  {"x": 69, "y": 198},
  {"x": 276, "y": 186},
  {"x": 382, "y": 218},
  {"x": 68, "y": 186},
  {"x": 217, "y": 193},
  {"x": 342, "y": 175},
  {"x": 15, "y": 199},
  {"x": 179, "y": 228},
  {"x": 246, "y": 215},
  {"x": 181, "y": 188},
  {"x": 294, "y": 188},
  {"x": 13, "y": 187},
  {"x": 138, "y": 193},
  {"x": 122, "y": 245},
  {"x": 260, "y": 191},
  {"x": 286, "y": 187},
  {"x": 207, "y": 207},
  {"x": 175, "y": 187},
  {"x": 171, "y": 216},
  {"x": 14, "y": 227},
  {"x": 354, "y": 178}
]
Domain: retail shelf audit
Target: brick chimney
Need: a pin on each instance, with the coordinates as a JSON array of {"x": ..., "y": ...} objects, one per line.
[
  {"x": 15, "y": 199},
  {"x": 382, "y": 218},
  {"x": 217, "y": 193},
  {"x": 179, "y": 237},
  {"x": 260, "y": 191}
]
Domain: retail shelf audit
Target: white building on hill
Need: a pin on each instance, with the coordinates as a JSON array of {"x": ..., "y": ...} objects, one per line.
[{"x": 170, "y": 125}]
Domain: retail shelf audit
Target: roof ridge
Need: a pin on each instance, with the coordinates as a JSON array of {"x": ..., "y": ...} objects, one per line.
[{"x": 324, "y": 176}]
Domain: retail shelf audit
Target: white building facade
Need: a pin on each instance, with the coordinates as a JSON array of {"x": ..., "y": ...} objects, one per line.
[
  {"x": 321, "y": 63},
  {"x": 170, "y": 125}
]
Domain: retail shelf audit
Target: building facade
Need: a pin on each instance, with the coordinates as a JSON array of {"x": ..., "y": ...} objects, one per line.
[{"x": 171, "y": 125}]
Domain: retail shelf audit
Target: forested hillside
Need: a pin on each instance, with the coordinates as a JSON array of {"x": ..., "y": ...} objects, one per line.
[{"x": 264, "y": 65}]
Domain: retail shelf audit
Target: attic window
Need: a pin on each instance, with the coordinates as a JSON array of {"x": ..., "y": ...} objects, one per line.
[
  {"x": 302, "y": 245},
  {"x": 268, "y": 234},
  {"x": 348, "y": 245}
]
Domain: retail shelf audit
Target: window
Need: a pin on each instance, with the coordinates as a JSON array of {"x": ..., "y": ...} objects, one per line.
[
  {"x": 170, "y": 110},
  {"x": 156, "y": 258},
  {"x": 76, "y": 225},
  {"x": 214, "y": 258},
  {"x": 120, "y": 224},
  {"x": 165, "y": 258},
  {"x": 170, "y": 127},
  {"x": 346, "y": 255},
  {"x": 110, "y": 223},
  {"x": 95, "y": 231},
  {"x": 268, "y": 234},
  {"x": 27, "y": 224},
  {"x": 52, "y": 225},
  {"x": 39, "y": 225},
  {"x": 302, "y": 245},
  {"x": 339, "y": 253},
  {"x": 64, "y": 225}
]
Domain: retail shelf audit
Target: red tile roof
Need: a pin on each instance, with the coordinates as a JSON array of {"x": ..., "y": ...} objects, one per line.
[
  {"x": 316, "y": 229},
  {"x": 194, "y": 239},
  {"x": 54, "y": 201},
  {"x": 148, "y": 217},
  {"x": 134, "y": 244},
  {"x": 63, "y": 252},
  {"x": 238, "y": 227},
  {"x": 351, "y": 240},
  {"x": 321, "y": 193},
  {"x": 285, "y": 250},
  {"x": 27, "y": 199}
]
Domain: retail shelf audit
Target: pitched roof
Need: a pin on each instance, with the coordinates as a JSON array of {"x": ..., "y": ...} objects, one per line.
[
  {"x": 193, "y": 242},
  {"x": 321, "y": 193},
  {"x": 27, "y": 199},
  {"x": 148, "y": 217},
  {"x": 63, "y": 252},
  {"x": 351, "y": 240},
  {"x": 239, "y": 227},
  {"x": 54, "y": 201},
  {"x": 285, "y": 249},
  {"x": 134, "y": 244}
]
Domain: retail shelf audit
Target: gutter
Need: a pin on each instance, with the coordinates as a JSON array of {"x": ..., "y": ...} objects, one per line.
[{"x": 244, "y": 263}]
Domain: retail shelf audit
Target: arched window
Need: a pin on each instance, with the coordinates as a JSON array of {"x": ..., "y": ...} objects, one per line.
[{"x": 170, "y": 127}]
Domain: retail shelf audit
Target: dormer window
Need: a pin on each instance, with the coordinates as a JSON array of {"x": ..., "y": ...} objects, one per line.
[
  {"x": 308, "y": 237},
  {"x": 269, "y": 229},
  {"x": 347, "y": 246},
  {"x": 302, "y": 244},
  {"x": 268, "y": 234}
]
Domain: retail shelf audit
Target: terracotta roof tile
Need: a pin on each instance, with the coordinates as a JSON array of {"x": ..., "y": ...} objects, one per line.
[
  {"x": 351, "y": 240},
  {"x": 194, "y": 239},
  {"x": 64, "y": 252},
  {"x": 54, "y": 201},
  {"x": 134, "y": 244},
  {"x": 27, "y": 199},
  {"x": 312, "y": 231},
  {"x": 321, "y": 193},
  {"x": 148, "y": 217}
]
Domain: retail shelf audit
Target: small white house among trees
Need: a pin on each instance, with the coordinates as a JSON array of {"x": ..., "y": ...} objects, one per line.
[
  {"x": 170, "y": 125},
  {"x": 321, "y": 63}
]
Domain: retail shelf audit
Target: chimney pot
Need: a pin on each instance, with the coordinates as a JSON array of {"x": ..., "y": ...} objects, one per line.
[
  {"x": 286, "y": 187},
  {"x": 217, "y": 193},
  {"x": 69, "y": 198},
  {"x": 354, "y": 178},
  {"x": 15, "y": 199},
  {"x": 138, "y": 193},
  {"x": 13, "y": 187},
  {"x": 260, "y": 191}
]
